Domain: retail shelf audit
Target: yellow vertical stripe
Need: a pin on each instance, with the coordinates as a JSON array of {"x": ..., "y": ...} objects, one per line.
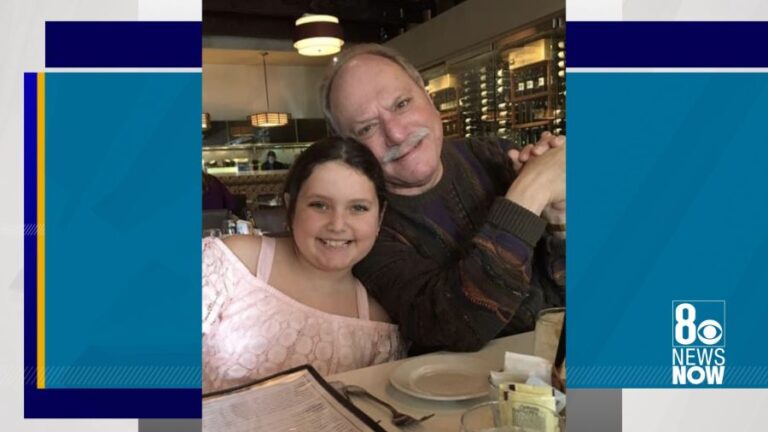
[{"x": 41, "y": 230}]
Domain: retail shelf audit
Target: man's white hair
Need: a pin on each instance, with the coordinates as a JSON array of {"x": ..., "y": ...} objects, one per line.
[{"x": 345, "y": 57}]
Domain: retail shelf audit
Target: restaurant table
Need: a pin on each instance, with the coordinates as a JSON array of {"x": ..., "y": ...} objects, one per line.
[{"x": 375, "y": 379}]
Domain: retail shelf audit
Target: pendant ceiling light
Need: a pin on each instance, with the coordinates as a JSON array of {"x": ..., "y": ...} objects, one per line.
[
  {"x": 268, "y": 118},
  {"x": 318, "y": 35}
]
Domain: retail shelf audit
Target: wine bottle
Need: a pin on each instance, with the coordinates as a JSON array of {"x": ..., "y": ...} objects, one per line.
[
  {"x": 520, "y": 88},
  {"x": 529, "y": 83}
]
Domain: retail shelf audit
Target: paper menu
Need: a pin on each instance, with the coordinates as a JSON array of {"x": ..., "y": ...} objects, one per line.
[{"x": 296, "y": 400}]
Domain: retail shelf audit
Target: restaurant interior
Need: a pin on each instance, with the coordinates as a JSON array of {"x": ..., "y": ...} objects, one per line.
[{"x": 494, "y": 68}]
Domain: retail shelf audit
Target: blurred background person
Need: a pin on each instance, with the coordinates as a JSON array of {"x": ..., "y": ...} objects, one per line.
[
  {"x": 272, "y": 163},
  {"x": 215, "y": 194}
]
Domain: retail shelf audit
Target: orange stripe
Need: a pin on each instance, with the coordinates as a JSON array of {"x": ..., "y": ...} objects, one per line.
[{"x": 41, "y": 230}]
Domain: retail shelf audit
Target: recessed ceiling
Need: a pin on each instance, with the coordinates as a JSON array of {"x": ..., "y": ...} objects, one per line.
[
  {"x": 361, "y": 20},
  {"x": 235, "y": 32},
  {"x": 253, "y": 57}
]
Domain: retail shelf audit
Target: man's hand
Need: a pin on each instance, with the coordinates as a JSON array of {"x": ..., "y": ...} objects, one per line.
[
  {"x": 540, "y": 185},
  {"x": 546, "y": 142}
]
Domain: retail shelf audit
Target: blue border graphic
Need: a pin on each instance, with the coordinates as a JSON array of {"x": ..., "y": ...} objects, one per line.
[
  {"x": 30, "y": 231},
  {"x": 103, "y": 45},
  {"x": 123, "y": 44},
  {"x": 613, "y": 44}
]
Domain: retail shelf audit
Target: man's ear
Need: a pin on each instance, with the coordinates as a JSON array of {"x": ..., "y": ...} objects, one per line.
[{"x": 431, "y": 99}]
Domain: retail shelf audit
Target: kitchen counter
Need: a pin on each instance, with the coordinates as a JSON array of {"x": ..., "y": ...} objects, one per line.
[{"x": 254, "y": 183}]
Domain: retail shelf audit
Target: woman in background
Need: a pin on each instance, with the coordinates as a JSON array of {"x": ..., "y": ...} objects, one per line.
[
  {"x": 270, "y": 304},
  {"x": 271, "y": 163},
  {"x": 215, "y": 194}
]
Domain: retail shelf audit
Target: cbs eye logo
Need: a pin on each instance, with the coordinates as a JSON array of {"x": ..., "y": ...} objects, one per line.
[{"x": 700, "y": 321}]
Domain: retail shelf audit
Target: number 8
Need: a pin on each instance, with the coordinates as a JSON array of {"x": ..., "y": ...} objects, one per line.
[{"x": 684, "y": 323}]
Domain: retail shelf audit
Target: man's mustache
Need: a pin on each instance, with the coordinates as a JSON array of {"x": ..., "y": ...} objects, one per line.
[{"x": 397, "y": 151}]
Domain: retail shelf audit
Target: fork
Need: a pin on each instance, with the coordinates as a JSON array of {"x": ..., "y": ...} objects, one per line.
[{"x": 399, "y": 419}]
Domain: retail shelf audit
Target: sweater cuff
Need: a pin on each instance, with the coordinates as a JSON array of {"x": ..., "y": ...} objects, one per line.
[
  {"x": 556, "y": 246},
  {"x": 516, "y": 220}
]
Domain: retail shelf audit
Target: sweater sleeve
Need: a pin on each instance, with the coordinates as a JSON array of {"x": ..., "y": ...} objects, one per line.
[
  {"x": 548, "y": 278},
  {"x": 463, "y": 305}
]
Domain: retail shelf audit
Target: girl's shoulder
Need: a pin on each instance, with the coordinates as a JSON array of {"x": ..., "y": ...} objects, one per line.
[{"x": 246, "y": 248}]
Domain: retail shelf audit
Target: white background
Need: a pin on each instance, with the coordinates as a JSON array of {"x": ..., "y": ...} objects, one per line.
[
  {"x": 22, "y": 31},
  {"x": 21, "y": 42},
  {"x": 683, "y": 410},
  {"x": 666, "y": 10}
]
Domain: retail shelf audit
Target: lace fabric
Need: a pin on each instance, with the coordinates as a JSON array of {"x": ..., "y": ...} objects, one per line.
[{"x": 252, "y": 330}]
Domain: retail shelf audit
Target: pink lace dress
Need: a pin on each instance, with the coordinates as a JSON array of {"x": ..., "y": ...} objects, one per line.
[{"x": 252, "y": 330}]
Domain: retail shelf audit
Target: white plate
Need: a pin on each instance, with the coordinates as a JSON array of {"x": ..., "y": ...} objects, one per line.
[{"x": 445, "y": 377}]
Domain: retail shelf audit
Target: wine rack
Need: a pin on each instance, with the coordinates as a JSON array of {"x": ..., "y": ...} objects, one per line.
[
  {"x": 447, "y": 103},
  {"x": 516, "y": 90}
]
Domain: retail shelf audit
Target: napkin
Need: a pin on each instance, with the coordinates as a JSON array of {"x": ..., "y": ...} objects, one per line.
[
  {"x": 520, "y": 367},
  {"x": 527, "y": 369}
]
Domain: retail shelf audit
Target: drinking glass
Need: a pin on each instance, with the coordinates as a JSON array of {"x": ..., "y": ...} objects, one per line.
[
  {"x": 214, "y": 232},
  {"x": 549, "y": 325},
  {"x": 486, "y": 417}
]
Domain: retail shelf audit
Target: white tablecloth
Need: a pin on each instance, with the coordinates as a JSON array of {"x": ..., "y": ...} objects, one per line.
[{"x": 375, "y": 379}]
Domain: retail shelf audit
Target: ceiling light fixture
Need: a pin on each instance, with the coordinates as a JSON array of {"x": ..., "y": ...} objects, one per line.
[
  {"x": 268, "y": 118},
  {"x": 318, "y": 35}
]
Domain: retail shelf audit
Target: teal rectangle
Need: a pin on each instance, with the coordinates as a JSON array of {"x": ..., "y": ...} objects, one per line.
[
  {"x": 122, "y": 228},
  {"x": 666, "y": 202}
]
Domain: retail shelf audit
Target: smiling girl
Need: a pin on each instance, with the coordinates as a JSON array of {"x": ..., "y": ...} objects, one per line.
[{"x": 270, "y": 304}]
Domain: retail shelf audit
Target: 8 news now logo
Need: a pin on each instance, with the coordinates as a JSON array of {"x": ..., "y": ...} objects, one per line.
[{"x": 698, "y": 346}]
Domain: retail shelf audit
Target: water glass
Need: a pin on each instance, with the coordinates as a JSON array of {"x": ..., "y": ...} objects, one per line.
[
  {"x": 486, "y": 417},
  {"x": 214, "y": 232},
  {"x": 549, "y": 325},
  {"x": 229, "y": 227}
]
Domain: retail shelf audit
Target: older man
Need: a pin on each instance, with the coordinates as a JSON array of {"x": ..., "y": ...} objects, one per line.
[{"x": 461, "y": 255}]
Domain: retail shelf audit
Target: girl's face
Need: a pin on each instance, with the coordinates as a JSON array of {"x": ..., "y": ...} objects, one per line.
[{"x": 336, "y": 219}]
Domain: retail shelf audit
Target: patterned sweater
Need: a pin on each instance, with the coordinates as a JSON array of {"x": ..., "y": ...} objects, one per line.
[{"x": 460, "y": 264}]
